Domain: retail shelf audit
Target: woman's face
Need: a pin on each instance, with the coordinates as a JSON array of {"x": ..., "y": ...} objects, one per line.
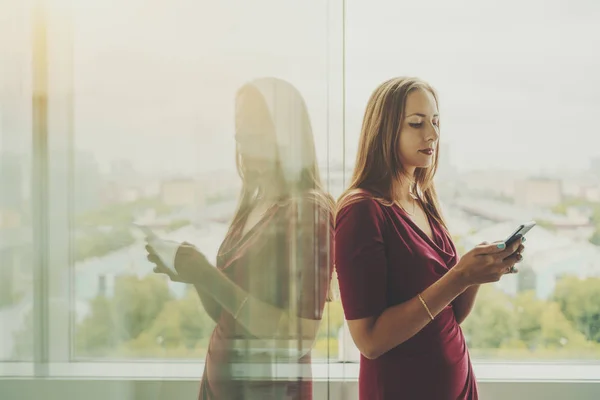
[
  {"x": 419, "y": 131},
  {"x": 255, "y": 135}
]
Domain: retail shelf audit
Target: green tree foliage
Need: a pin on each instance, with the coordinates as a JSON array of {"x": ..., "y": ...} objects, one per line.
[
  {"x": 143, "y": 319},
  {"x": 579, "y": 300}
]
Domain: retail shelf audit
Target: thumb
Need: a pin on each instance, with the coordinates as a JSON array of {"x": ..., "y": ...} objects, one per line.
[{"x": 490, "y": 248}]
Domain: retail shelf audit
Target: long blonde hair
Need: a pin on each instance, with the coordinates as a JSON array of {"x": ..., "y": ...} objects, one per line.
[
  {"x": 378, "y": 167},
  {"x": 296, "y": 172},
  {"x": 288, "y": 126}
]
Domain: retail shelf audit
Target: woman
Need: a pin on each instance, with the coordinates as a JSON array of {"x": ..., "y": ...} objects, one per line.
[
  {"x": 269, "y": 286},
  {"x": 403, "y": 290}
]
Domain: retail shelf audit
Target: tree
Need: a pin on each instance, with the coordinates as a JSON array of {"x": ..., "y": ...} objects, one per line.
[
  {"x": 137, "y": 303},
  {"x": 528, "y": 310},
  {"x": 579, "y": 300},
  {"x": 144, "y": 320},
  {"x": 558, "y": 332},
  {"x": 97, "y": 334},
  {"x": 595, "y": 238},
  {"x": 492, "y": 322}
]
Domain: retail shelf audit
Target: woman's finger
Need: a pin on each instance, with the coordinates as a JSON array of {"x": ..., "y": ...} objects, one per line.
[
  {"x": 153, "y": 258},
  {"x": 493, "y": 248},
  {"x": 150, "y": 249}
]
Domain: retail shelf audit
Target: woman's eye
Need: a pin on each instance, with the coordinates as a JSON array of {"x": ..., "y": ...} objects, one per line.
[{"x": 415, "y": 124}]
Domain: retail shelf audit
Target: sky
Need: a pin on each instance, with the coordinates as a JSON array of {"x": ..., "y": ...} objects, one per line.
[{"x": 154, "y": 81}]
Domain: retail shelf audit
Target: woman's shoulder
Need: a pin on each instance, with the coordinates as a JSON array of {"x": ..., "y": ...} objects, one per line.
[
  {"x": 314, "y": 205},
  {"x": 361, "y": 203}
]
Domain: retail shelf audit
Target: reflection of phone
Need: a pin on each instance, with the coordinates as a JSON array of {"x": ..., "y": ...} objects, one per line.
[
  {"x": 147, "y": 231},
  {"x": 519, "y": 233},
  {"x": 164, "y": 249}
]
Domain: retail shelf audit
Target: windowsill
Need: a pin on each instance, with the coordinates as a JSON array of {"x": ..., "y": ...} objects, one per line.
[{"x": 192, "y": 370}]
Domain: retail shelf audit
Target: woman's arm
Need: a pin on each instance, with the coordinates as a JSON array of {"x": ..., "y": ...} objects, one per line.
[
  {"x": 212, "y": 308},
  {"x": 375, "y": 336},
  {"x": 362, "y": 267},
  {"x": 261, "y": 319},
  {"x": 310, "y": 238},
  {"x": 464, "y": 303}
]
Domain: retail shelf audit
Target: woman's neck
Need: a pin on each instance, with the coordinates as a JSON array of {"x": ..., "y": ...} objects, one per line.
[{"x": 403, "y": 190}]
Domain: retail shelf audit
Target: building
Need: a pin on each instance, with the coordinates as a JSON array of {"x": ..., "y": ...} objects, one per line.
[
  {"x": 538, "y": 192},
  {"x": 182, "y": 193},
  {"x": 595, "y": 166}
]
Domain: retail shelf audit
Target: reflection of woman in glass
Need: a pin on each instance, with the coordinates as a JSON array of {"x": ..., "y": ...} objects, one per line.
[{"x": 269, "y": 286}]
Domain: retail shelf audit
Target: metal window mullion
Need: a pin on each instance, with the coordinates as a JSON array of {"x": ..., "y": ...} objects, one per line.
[
  {"x": 52, "y": 185},
  {"x": 39, "y": 191}
]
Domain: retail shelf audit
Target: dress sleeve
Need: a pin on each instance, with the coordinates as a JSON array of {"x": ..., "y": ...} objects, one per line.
[{"x": 360, "y": 259}]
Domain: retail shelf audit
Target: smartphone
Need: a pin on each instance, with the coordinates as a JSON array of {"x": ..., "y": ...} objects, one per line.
[
  {"x": 519, "y": 232},
  {"x": 164, "y": 249}
]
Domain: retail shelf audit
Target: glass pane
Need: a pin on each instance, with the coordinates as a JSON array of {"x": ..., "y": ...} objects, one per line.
[
  {"x": 518, "y": 101},
  {"x": 16, "y": 298},
  {"x": 197, "y": 122}
]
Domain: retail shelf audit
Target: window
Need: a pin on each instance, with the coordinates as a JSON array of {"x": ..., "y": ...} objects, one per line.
[
  {"x": 16, "y": 162},
  {"x": 518, "y": 97},
  {"x": 139, "y": 127},
  {"x": 154, "y": 144}
]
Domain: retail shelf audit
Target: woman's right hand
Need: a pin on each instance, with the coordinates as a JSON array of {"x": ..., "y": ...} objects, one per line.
[{"x": 488, "y": 262}]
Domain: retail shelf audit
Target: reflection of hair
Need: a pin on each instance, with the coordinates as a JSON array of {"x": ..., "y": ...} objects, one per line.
[
  {"x": 378, "y": 166},
  {"x": 283, "y": 114}
]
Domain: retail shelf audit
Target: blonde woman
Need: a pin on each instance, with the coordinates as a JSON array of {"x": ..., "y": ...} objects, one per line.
[
  {"x": 268, "y": 288},
  {"x": 403, "y": 288}
]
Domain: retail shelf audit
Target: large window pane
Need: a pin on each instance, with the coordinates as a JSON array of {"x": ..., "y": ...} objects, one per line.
[
  {"x": 16, "y": 296},
  {"x": 519, "y": 94},
  {"x": 154, "y": 144}
]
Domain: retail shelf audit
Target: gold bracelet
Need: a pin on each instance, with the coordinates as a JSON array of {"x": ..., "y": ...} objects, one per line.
[
  {"x": 425, "y": 305},
  {"x": 235, "y": 316}
]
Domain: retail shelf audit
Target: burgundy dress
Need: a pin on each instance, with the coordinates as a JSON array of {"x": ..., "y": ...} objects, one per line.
[
  {"x": 289, "y": 246},
  {"x": 383, "y": 259}
]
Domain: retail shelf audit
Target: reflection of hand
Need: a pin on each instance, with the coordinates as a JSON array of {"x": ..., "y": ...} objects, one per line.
[
  {"x": 160, "y": 267},
  {"x": 190, "y": 262}
]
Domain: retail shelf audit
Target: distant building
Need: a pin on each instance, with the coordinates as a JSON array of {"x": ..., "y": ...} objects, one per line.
[
  {"x": 548, "y": 257},
  {"x": 538, "y": 192},
  {"x": 489, "y": 182},
  {"x": 114, "y": 192},
  {"x": 182, "y": 193},
  {"x": 595, "y": 166},
  {"x": 591, "y": 193}
]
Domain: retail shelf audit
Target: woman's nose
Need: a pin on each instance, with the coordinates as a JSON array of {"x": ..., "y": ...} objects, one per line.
[{"x": 432, "y": 132}]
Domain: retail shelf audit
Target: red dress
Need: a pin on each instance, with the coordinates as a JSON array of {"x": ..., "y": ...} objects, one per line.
[
  {"x": 288, "y": 249},
  {"x": 383, "y": 259}
]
